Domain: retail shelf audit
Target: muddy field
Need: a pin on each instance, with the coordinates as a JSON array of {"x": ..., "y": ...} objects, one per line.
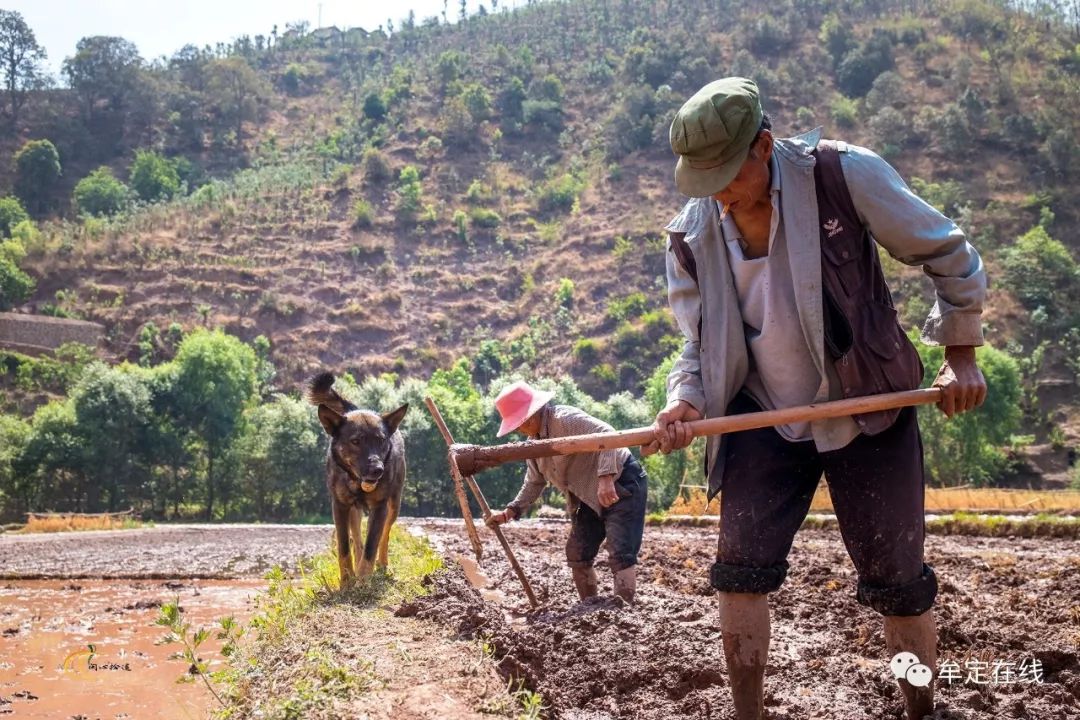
[
  {"x": 1014, "y": 602},
  {"x": 1006, "y": 600}
]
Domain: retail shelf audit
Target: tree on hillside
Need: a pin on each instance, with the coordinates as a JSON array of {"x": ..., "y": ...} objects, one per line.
[
  {"x": 19, "y": 58},
  {"x": 236, "y": 91},
  {"x": 37, "y": 169},
  {"x": 212, "y": 385},
  {"x": 103, "y": 73}
]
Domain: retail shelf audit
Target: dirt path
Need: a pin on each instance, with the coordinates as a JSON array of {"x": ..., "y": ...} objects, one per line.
[{"x": 1013, "y": 601}]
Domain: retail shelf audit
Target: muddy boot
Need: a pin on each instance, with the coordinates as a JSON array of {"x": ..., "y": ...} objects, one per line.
[
  {"x": 916, "y": 635},
  {"x": 744, "y": 623},
  {"x": 626, "y": 583},
  {"x": 585, "y": 582}
]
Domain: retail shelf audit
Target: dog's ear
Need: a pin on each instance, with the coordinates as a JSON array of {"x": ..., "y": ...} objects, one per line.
[
  {"x": 393, "y": 419},
  {"x": 330, "y": 420}
]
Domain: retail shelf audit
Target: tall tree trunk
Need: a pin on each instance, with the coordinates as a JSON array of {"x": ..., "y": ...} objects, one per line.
[{"x": 209, "y": 484}]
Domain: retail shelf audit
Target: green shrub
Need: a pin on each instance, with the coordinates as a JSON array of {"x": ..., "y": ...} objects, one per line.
[
  {"x": 844, "y": 110},
  {"x": 484, "y": 218},
  {"x": 460, "y": 219},
  {"x": 970, "y": 448},
  {"x": 363, "y": 214},
  {"x": 153, "y": 177},
  {"x": 295, "y": 78},
  {"x": 478, "y": 192},
  {"x": 100, "y": 193},
  {"x": 11, "y": 214},
  {"x": 564, "y": 295},
  {"x": 375, "y": 107},
  {"x": 587, "y": 350},
  {"x": 629, "y": 306},
  {"x": 376, "y": 167},
  {"x": 560, "y": 193},
  {"x": 15, "y": 285},
  {"x": 947, "y": 196},
  {"x": 1042, "y": 273}
]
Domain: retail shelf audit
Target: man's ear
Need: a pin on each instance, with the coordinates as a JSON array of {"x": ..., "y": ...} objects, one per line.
[
  {"x": 763, "y": 146},
  {"x": 393, "y": 419},
  {"x": 330, "y": 420}
]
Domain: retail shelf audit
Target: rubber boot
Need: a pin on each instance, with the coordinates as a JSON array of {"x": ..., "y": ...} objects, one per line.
[
  {"x": 626, "y": 583},
  {"x": 744, "y": 624},
  {"x": 916, "y": 635},
  {"x": 585, "y": 582}
]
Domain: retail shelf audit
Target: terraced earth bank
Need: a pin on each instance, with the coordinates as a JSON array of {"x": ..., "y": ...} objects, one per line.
[{"x": 1004, "y": 603}]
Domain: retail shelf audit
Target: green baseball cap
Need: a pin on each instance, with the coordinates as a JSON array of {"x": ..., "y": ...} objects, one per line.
[{"x": 712, "y": 134}]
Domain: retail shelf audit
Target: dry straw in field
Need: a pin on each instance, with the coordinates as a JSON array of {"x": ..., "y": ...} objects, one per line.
[
  {"x": 938, "y": 500},
  {"x": 73, "y": 521}
]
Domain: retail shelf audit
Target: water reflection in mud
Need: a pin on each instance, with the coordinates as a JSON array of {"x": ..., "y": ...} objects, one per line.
[{"x": 47, "y": 628}]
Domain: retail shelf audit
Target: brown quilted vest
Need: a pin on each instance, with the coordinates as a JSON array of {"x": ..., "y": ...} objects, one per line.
[{"x": 870, "y": 350}]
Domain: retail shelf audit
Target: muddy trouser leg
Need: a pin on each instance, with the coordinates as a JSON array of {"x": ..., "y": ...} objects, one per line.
[
  {"x": 586, "y": 535},
  {"x": 624, "y": 525},
  {"x": 876, "y": 484},
  {"x": 768, "y": 485}
]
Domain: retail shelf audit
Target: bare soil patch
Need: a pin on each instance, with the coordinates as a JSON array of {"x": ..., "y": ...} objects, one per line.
[{"x": 1003, "y": 599}]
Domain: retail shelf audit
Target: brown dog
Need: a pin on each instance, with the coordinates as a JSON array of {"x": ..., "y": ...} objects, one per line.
[{"x": 365, "y": 471}]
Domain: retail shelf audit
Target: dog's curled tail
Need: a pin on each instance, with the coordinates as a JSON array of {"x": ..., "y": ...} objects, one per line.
[{"x": 321, "y": 392}]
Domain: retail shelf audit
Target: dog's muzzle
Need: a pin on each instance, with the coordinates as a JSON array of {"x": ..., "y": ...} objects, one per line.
[{"x": 368, "y": 486}]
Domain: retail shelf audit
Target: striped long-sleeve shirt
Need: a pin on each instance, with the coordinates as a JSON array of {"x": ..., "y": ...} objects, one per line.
[{"x": 572, "y": 474}]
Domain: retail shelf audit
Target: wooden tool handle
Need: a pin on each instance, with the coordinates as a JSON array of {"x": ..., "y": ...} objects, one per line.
[
  {"x": 459, "y": 488},
  {"x": 472, "y": 458},
  {"x": 485, "y": 509}
]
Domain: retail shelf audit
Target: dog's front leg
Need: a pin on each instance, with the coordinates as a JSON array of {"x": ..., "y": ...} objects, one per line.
[
  {"x": 384, "y": 540},
  {"x": 356, "y": 538},
  {"x": 341, "y": 526},
  {"x": 376, "y": 521}
]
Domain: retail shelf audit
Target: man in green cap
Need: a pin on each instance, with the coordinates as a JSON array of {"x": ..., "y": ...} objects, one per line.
[{"x": 774, "y": 278}]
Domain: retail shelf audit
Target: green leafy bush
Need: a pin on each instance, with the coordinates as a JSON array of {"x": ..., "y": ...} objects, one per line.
[
  {"x": 100, "y": 193},
  {"x": 560, "y": 193},
  {"x": 153, "y": 177},
  {"x": 484, "y": 218},
  {"x": 971, "y": 448},
  {"x": 363, "y": 213},
  {"x": 1042, "y": 273},
  {"x": 11, "y": 214}
]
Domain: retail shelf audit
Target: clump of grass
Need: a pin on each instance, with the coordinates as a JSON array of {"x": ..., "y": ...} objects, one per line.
[{"x": 289, "y": 641}]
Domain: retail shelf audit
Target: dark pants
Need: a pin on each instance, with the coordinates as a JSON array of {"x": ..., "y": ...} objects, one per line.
[
  {"x": 876, "y": 484},
  {"x": 622, "y": 524}
]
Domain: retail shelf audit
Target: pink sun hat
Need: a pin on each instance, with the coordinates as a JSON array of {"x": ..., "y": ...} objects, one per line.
[{"x": 517, "y": 403}]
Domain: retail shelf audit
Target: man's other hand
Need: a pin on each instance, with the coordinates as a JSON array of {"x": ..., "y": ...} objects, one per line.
[
  {"x": 605, "y": 491},
  {"x": 499, "y": 518},
  {"x": 670, "y": 428},
  {"x": 962, "y": 383}
]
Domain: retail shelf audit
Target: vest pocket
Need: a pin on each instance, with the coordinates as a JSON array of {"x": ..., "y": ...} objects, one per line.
[
  {"x": 900, "y": 367},
  {"x": 841, "y": 253}
]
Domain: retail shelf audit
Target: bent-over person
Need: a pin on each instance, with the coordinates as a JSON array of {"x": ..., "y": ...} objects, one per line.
[{"x": 605, "y": 491}]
